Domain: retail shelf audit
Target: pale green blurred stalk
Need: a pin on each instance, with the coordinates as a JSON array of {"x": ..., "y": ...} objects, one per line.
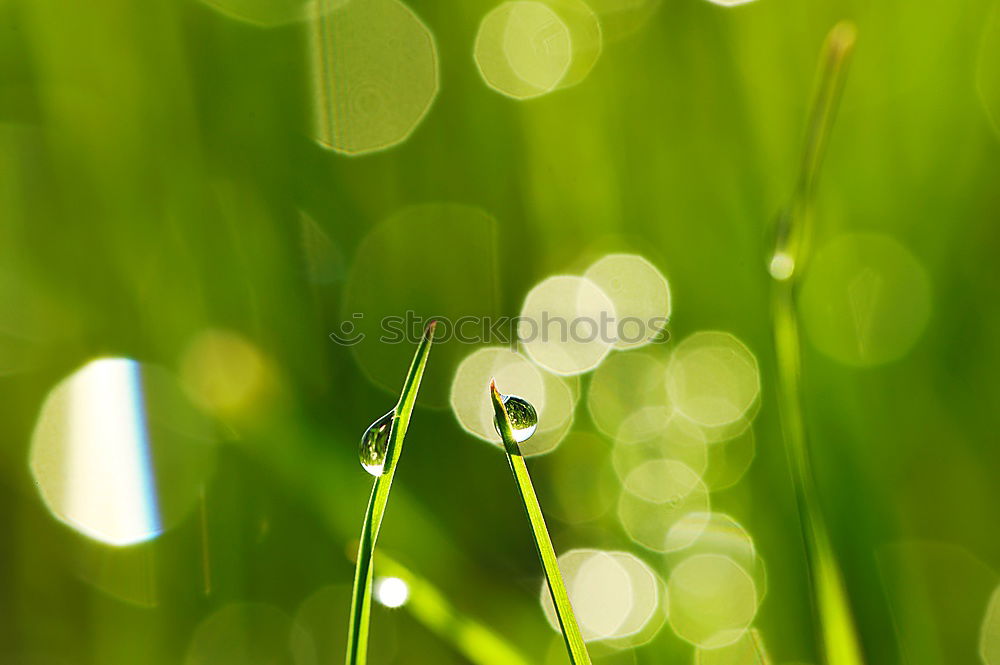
[
  {"x": 838, "y": 635},
  {"x": 427, "y": 604}
]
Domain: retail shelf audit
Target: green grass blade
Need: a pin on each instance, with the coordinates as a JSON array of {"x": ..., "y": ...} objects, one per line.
[
  {"x": 567, "y": 620},
  {"x": 357, "y": 636},
  {"x": 472, "y": 639},
  {"x": 838, "y": 634},
  {"x": 792, "y": 228}
]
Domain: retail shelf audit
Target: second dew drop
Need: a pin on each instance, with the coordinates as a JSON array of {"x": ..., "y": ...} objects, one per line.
[
  {"x": 522, "y": 416},
  {"x": 375, "y": 444}
]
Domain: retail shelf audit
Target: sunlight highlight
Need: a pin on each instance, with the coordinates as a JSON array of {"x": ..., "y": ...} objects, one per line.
[
  {"x": 118, "y": 453},
  {"x": 392, "y": 591},
  {"x": 90, "y": 454}
]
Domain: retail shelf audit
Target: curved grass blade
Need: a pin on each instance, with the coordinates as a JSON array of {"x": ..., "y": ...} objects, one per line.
[
  {"x": 838, "y": 634},
  {"x": 472, "y": 639},
  {"x": 357, "y": 636},
  {"x": 567, "y": 620}
]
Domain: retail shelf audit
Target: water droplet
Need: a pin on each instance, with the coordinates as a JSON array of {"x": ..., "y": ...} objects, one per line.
[
  {"x": 522, "y": 416},
  {"x": 782, "y": 266},
  {"x": 375, "y": 443}
]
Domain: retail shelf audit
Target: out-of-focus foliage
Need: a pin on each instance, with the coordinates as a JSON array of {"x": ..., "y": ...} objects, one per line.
[{"x": 205, "y": 191}]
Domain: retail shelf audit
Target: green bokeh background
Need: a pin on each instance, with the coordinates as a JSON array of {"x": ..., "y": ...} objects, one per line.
[{"x": 155, "y": 160}]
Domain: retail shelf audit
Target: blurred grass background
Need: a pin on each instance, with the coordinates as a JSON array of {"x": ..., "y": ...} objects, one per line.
[{"x": 155, "y": 164}]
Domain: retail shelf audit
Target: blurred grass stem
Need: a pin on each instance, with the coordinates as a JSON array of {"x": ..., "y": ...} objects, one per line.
[
  {"x": 838, "y": 635},
  {"x": 474, "y": 640}
]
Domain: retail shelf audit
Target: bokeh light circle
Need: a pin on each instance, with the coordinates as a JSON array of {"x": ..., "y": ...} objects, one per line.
[
  {"x": 586, "y": 38},
  {"x": 644, "y": 424},
  {"x": 623, "y": 384},
  {"x": 614, "y": 594},
  {"x": 713, "y": 380},
  {"x": 523, "y": 49},
  {"x": 538, "y": 44},
  {"x": 713, "y": 600},
  {"x": 718, "y": 533},
  {"x": 640, "y": 293},
  {"x": 119, "y": 453},
  {"x": 375, "y": 73},
  {"x": 564, "y": 325},
  {"x": 555, "y": 420},
  {"x": 865, "y": 300},
  {"x": 224, "y": 373},
  {"x": 470, "y": 396},
  {"x": 675, "y": 439},
  {"x": 676, "y": 490},
  {"x": 392, "y": 591},
  {"x": 661, "y": 481}
]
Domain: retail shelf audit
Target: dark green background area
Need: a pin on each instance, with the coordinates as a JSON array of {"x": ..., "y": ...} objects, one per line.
[{"x": 155, "y": 159}]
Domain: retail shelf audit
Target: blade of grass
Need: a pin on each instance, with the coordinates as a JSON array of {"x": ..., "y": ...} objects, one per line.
[
  {"x": 567, "y": 620},
  {"x": 838, "y": 634},
  {"x": 357, "y": 636},
  {"x": 427, "y": 604}
]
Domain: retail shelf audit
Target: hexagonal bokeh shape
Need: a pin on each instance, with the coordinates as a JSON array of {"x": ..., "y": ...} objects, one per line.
[{"x": 375, "y": 71}]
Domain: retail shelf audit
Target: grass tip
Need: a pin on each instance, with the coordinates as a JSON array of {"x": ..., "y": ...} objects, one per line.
[{"x": 842, "y": 38}]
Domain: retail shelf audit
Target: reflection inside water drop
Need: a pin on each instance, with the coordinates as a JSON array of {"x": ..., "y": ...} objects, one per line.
[
  {"x": 375, "y": 443},
  {"x": 522, "y": 416}
]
